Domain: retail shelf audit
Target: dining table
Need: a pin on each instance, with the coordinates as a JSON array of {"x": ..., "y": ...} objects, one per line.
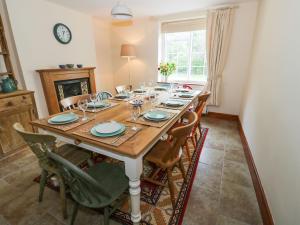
[{"x": 132, "y": 150}]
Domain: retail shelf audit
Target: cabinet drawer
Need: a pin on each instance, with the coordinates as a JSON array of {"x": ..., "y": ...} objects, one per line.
[{"x": 16, "y": 101}]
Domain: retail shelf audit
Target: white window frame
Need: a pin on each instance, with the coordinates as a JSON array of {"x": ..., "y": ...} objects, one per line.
[{"x": 163, "y": 57}]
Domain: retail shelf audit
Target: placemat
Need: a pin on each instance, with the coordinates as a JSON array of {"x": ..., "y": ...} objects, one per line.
[
  {"x": 63, "y": 127},
  {"x": 142, "y": 120},
  {"x": 112, "y": 104},
  {"x": 115, "y": 141},
  {"x": 162, "y": 105}
]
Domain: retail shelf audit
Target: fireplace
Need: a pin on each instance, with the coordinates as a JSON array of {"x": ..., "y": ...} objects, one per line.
[
  {"x": 68, "y": 88},
  {"x": 62, "y": 83}
]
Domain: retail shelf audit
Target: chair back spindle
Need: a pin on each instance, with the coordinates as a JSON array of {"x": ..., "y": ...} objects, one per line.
[
  {"x": 83, "y": 187},
  {"x": 71, "y": 102},
  {"x": 40, "y": 144},
  {"x": 179, "y": 135},
  {"x": 122, "y": 88}
]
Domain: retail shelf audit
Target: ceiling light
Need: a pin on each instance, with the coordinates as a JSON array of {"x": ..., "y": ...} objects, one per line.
[{"x": 121, "y": 12}]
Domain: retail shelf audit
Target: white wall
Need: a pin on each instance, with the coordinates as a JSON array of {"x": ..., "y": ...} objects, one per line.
[
  {"x": 32, "y": 22},
  {"x": 102, "y": 32},
  {"x": 144, "y": 34},
  {"x": 270, "y": 111},
  {"x": 236, "y": 69}
]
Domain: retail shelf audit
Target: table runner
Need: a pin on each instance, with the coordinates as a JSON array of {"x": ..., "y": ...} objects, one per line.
[{"x": 115, "y": 141}]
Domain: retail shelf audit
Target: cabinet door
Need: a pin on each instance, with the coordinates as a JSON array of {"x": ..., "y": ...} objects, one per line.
[{"x": 10, "y": 140}]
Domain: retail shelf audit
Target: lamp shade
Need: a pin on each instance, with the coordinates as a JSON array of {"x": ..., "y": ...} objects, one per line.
[{"x": 128, "y": 50}]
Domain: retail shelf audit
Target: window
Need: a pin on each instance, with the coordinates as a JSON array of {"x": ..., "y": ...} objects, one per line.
[{"x": 187, "y": 49}]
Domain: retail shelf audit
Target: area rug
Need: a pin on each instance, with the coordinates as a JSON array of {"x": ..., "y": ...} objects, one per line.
[{"x": 156, "y": 206}]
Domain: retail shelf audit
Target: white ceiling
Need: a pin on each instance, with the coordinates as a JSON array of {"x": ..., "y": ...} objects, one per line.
[{"x": 101, "y": 8}]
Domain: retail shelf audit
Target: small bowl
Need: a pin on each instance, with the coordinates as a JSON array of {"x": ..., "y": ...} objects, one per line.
[
  {"x": 79, "y": 65},
  {"x": 70, "y": 66},
  {"x": 62, "y": 66}
]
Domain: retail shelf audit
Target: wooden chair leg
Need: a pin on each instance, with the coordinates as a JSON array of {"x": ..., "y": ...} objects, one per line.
[
  {"x": 106, "y": 216},
  {"x": 188, "y": 151},
  {"x": 194, "y": 142},
  {"x": 43, "y": 182},
  {"x": 181, "y": 167},
  {"x": 200, "y": 129},
  {"x": 62, "y": 190},
  {"x": 74, "y": 213},
  {"x": 171, "y": 187}
]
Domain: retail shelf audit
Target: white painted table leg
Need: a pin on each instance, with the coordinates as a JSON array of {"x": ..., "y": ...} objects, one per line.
[{"x": 133, "y": 169}]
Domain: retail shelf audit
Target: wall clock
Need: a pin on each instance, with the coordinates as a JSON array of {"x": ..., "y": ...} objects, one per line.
[{"x": 62, "y": 33}]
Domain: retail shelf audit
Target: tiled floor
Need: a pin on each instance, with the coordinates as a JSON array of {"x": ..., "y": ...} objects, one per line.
[{"x": 222, "y": 193}]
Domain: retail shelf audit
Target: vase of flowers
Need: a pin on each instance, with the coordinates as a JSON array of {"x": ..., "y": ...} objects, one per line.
[{"x": 167, "y": 69}]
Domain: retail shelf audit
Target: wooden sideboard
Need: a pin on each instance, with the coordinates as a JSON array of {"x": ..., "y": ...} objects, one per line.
[{"x": 18, "y": 106}]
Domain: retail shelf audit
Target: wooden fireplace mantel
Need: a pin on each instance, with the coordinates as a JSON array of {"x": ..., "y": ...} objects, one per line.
[{"x": 49, "y": 76}]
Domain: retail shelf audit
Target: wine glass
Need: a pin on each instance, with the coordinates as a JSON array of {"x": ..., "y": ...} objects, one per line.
[
  {"x": 153, "y": 99},
  {"x": 135, "y": 113},
  {"x": 94, "y": 99},
  {"x": 143, "y": 86},
  {"x": 83, "y": 105}
]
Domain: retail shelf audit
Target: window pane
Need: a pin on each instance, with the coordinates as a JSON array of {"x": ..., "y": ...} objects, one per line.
[
  {"x": 187, "y": 51},
  {"x": 197, "y": 59},
  {"x": 197, "y": 70}
]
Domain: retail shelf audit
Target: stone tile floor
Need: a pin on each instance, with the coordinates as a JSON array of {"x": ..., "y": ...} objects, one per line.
[{"x": 222, "y": 193}]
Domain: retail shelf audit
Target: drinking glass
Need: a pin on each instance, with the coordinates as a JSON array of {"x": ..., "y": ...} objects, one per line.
[
  {"x": 135, "y": 113},
  {"x": 143, "y": 86},
  {"x": 83, "y": 105},
  {"x": 94, "y": 99},
  {"x": 153, "y": 99}
]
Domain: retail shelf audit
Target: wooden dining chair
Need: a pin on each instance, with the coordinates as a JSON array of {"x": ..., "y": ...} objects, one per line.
[
  {"x": 100, "y": 186},
  {"x": 202, "y": 99},
  {"x": 40, "y": 144},
  {"x": 168, "y": 153},
  {"x": 122, "y": 88},
  {"x": 193, "y": 136},
  {"x": 104, "y": 95},
  {"x": 71, "y": 102}
]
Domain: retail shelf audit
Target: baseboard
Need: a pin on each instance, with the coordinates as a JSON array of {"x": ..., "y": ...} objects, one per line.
[
  {"x": 222, "y": 116},
  {"x": 260, "y": 194}
]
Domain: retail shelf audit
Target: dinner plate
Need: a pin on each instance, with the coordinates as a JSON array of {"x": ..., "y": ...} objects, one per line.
[
  {"x": 98, "y": 104},
  {"x": 156, "y": 115},
  {"x": 95, "y": 133},
  {"x": 182, "y": 90},
  {"x": 185, "y": 95},
  {"x": 121, "y": 96},
  {"x": 63, "y": 118},
  {"x": 160, "y": 89},
  {"x": 174, "y": 103},
  {"x": 108, "y": 127},
  {"x": 139, "y": 91}
]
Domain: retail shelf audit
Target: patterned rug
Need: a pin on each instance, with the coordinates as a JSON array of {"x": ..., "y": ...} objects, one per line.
[{"x": 156, "y": 206}]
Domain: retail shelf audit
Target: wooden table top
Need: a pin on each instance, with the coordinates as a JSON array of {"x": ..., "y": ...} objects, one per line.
[{"x": 120, "y": 113}]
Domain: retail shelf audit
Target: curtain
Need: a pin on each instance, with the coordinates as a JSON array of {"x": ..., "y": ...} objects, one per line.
[{"x": 219, "y": 27}]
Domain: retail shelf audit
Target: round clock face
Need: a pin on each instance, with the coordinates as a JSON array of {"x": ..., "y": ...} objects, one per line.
[{"x": 62, "y": 33}]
